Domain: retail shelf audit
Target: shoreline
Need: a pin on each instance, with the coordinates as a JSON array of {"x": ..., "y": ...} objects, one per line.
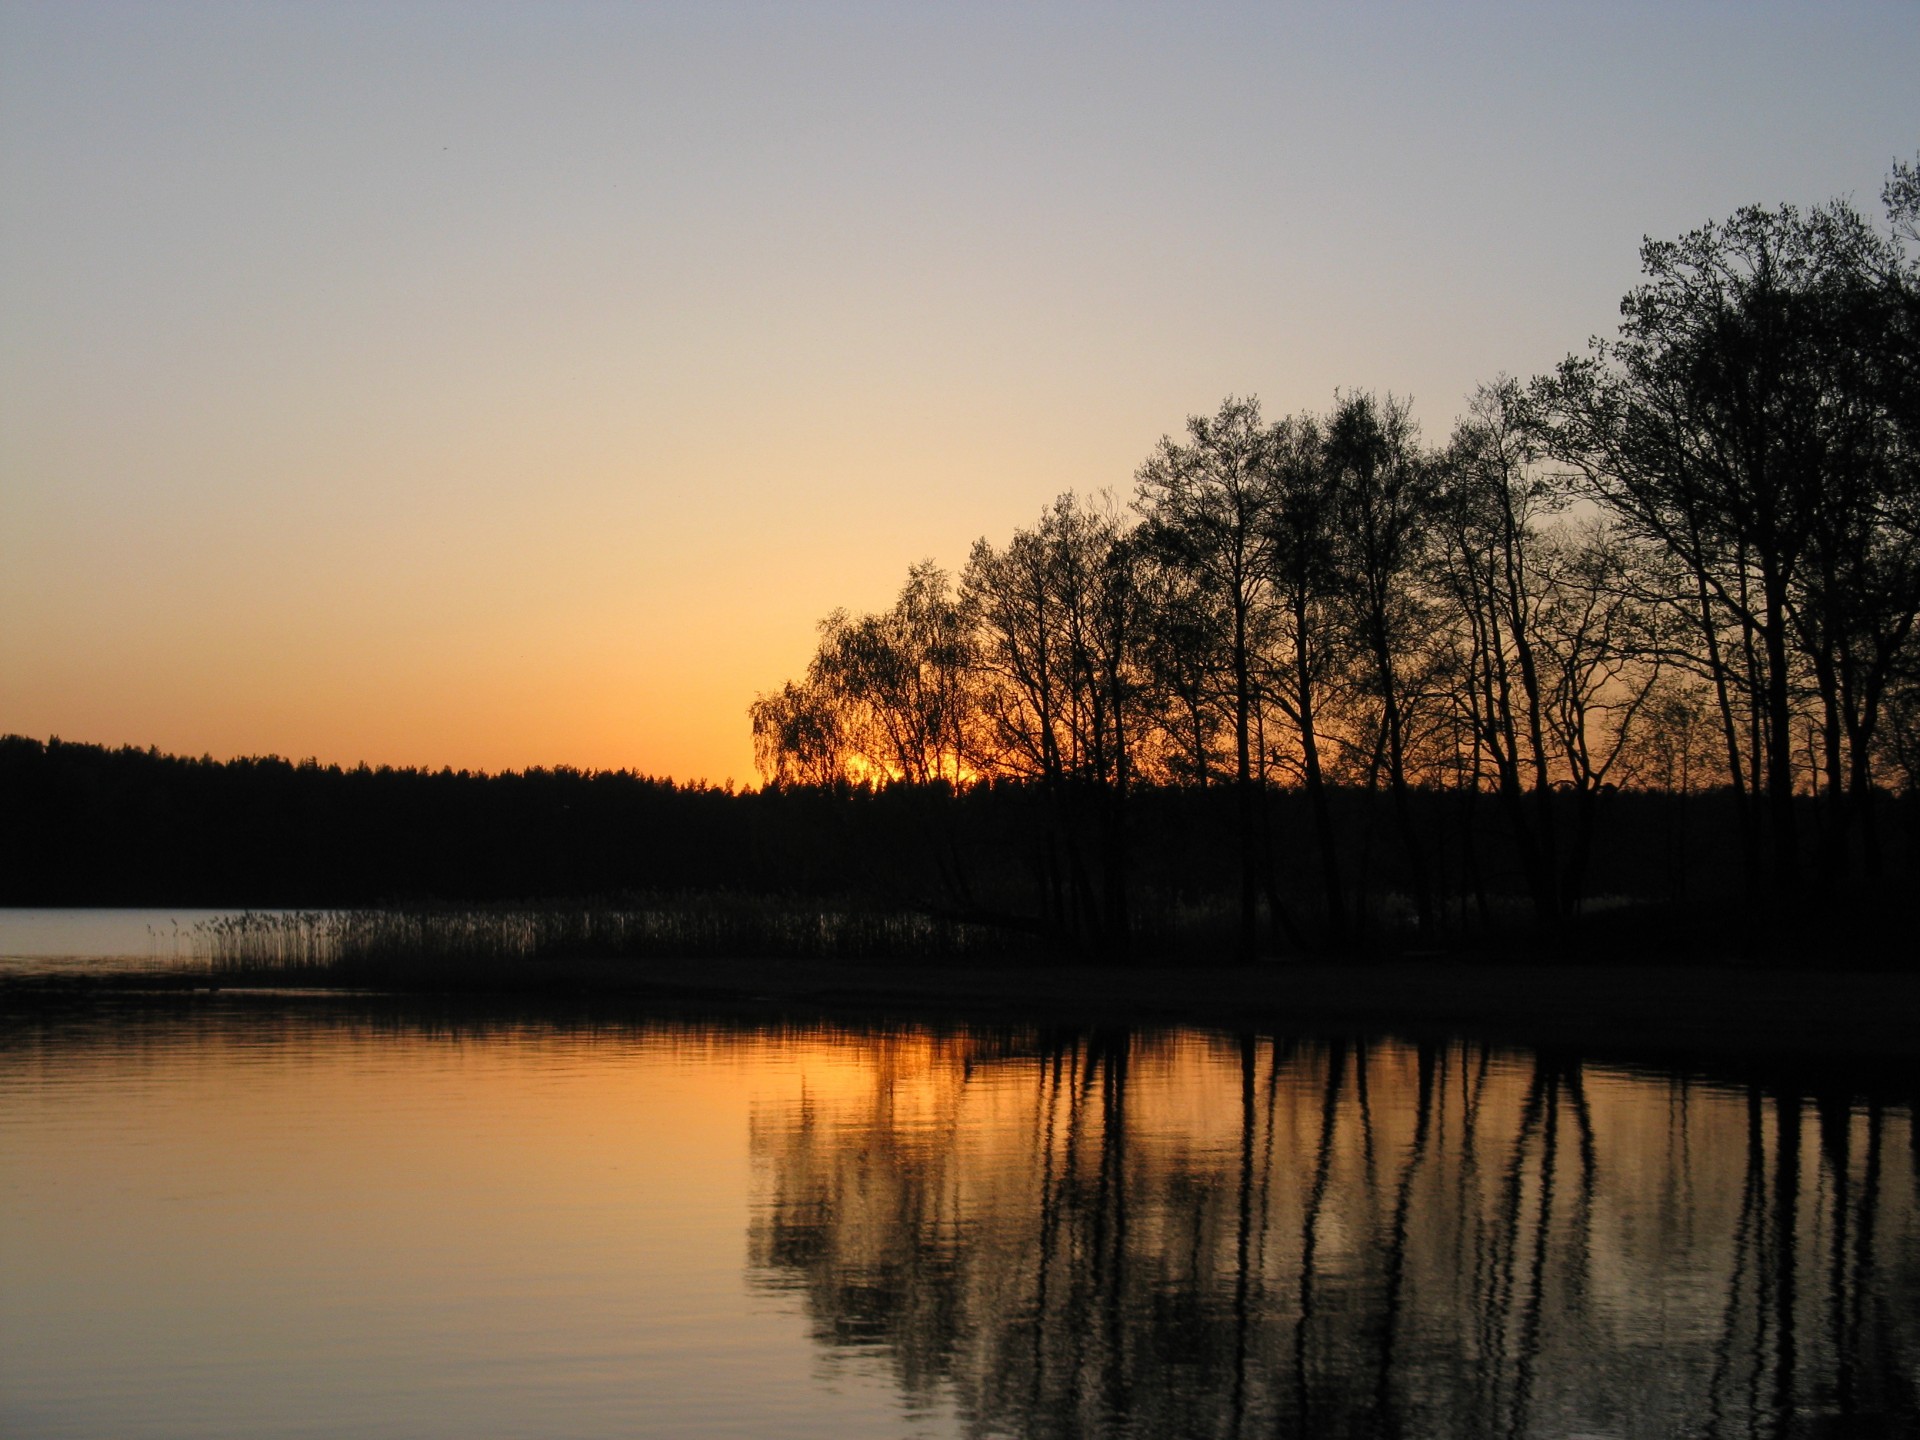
[{"x": 1699, "y": 1012}]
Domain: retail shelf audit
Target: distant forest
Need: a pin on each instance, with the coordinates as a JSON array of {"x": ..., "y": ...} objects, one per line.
[
  {"x": 1631, "y": 654},
  {"x": 87, "y": 825}
]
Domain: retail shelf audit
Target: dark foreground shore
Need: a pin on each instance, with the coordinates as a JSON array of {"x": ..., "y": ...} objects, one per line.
[{"x": 1705, "y": 1011}]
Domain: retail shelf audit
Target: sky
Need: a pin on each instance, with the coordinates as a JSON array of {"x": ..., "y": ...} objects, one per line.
[{"x": 496, "y": 385}]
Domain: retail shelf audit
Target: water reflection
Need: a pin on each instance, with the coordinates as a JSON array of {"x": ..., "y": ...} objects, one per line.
[
  {"x": 1115, "y": 1233},
  {"x": 67, "y": 941},
  {"x": 256, "y": 1216}
]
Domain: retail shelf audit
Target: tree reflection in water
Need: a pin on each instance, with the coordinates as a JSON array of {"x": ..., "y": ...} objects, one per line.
[{"x": 1116, "y": 1233}]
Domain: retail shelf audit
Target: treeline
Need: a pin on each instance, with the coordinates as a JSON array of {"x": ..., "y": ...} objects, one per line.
[
  {"x": 88, "y": 825},
  {"x": 85, "y": 824},
  {"x": 1685, "y": 563}
]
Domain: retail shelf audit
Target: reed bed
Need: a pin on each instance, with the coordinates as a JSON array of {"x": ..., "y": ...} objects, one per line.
[{"x": 492, "y": 945}]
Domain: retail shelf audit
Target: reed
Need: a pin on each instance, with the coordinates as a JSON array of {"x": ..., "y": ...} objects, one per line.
[{"x": 514, "y": 944}]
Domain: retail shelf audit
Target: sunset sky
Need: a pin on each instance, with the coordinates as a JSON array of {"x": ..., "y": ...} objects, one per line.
[{"x": 509, "y": 384}]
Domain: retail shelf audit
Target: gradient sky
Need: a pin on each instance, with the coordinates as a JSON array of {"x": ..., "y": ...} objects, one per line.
[{"x": 498, "y": 385}]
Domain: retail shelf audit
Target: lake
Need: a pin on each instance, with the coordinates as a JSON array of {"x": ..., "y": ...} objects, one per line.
[
  {"x": 69, "y": 941},
  {"x": 261, "y": 1215}
]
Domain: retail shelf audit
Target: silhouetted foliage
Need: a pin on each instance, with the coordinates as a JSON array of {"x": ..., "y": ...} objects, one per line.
[
  {"x": 1714, "y": 514},
  {"x": 1755, "y": 422}
]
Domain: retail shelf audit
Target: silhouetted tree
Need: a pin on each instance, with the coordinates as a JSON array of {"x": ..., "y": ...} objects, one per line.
[
  {"x": 1309, "y": 643},
  {"x": 1494, "y": 497},
  {"x": 1347, "y": 613},
  {"x": 1751, "y": 419},
  {"x": 797, "y": 737},
  {"x": 1385, "y": 501},
  {"x": 1860, "y": 588},
  {"x": 1059, "y": 626},
  {"x": 1207, "y": 508},
  {"x": 884, "y": 695},
  {"x": 1603, "y": 654}
]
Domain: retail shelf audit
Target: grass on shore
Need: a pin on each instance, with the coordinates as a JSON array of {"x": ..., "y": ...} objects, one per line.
[
  {"x": 1827, "y": 1000},
  {"x": 467, "y": 947}
]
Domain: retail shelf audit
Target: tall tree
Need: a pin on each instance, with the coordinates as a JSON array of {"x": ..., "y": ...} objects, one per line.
[
  {"x": 1206, "y": 505},
  {"x": 1384, "y": 489},
  {"x": 1491, "y": 500},
  {"x": 1860, "y": 588},
  {"x": 1602, "y": 650},
  {"x": 1309, "y": 654},
  {"x": 1059, "y": 636},
  {"x": 1748, "y": 419}
]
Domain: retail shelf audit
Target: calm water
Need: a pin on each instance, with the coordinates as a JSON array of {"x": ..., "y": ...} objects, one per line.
[
  {"x": 63, "y": 941},
  {"x": 270, "y": 1217}
]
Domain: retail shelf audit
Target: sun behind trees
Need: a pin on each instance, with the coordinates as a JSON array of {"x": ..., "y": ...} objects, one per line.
[{"x": 1685, "y": 563}]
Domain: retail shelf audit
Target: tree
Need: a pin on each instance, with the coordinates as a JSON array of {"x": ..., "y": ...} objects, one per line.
[
  {"x": 884, "y": 696},
  {"x": 1602, "y": 655},
  {"x": 1741, "y": 421},
  {"x": 1058, "y": 619},
  {"x": 797, "y": 738},
  {"x": 1308, "y": 654},
  {"x": 1860, "y": 588},
  {"x": 1384, "y": 505},
  {"x": 1492, "y": 499},
  {"x": 1206, "y": 508}
]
